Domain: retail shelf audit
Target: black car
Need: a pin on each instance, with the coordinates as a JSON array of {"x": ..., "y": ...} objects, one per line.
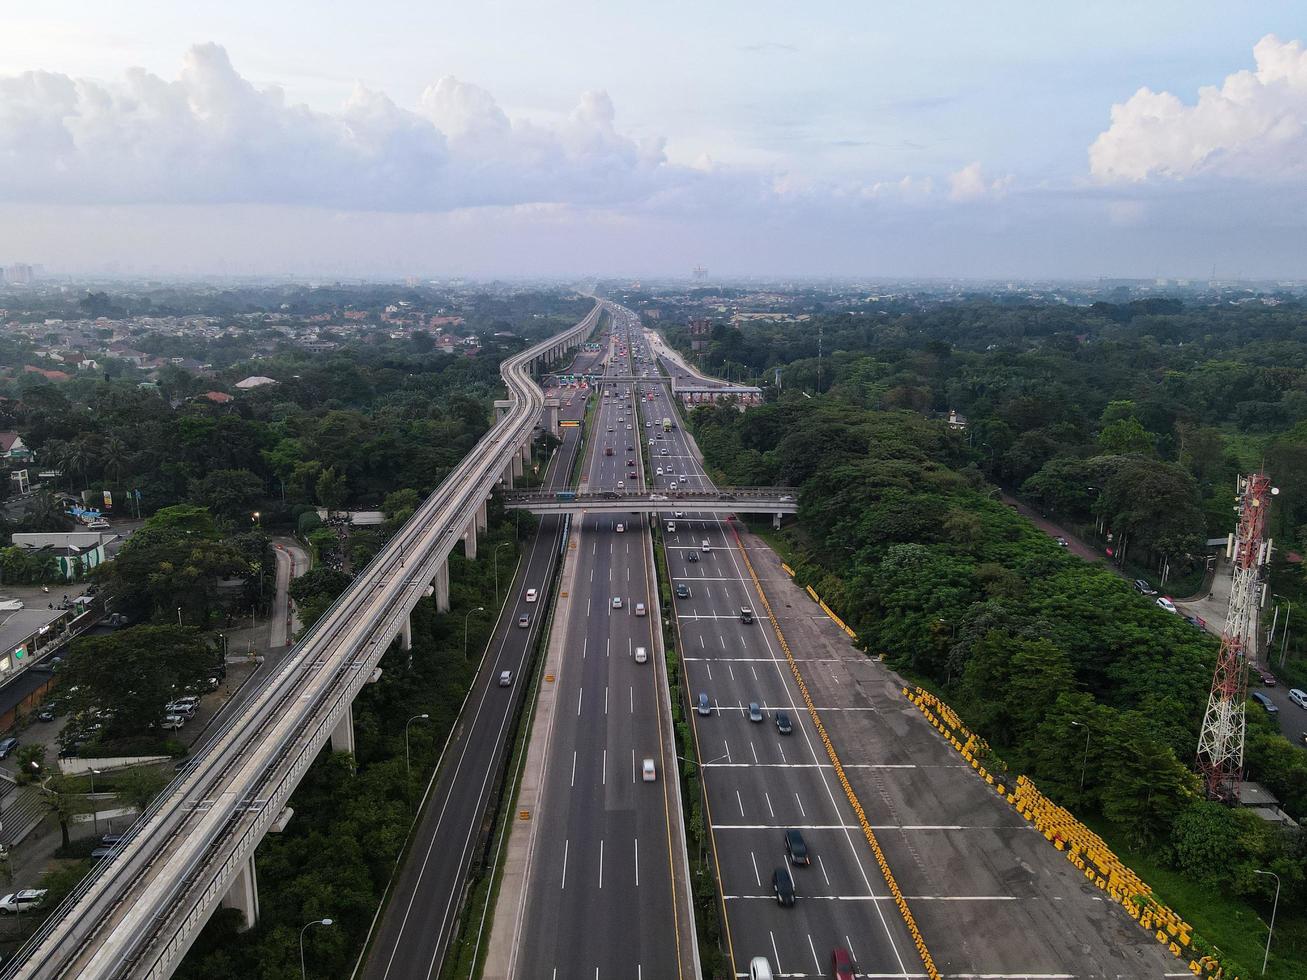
[
  {"x": 796, "y": 848},
  {"x": 783, "y": 885},
  {"x": 682, "y": 591},
  {"x": 783, "y": 723},
  {"x": 692, "y": 556}
]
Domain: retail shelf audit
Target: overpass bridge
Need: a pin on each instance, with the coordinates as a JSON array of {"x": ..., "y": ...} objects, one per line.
[
  {"x": 139, "y": 910},
  {"x": 721, "y": 500}
]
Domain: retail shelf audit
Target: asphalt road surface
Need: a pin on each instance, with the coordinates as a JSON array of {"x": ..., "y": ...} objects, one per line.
[
  {"x": 413, "y": 934},
  {"x": 602, "y": 887}
]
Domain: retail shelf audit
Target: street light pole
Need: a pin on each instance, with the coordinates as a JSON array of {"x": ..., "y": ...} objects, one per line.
[
  {"x": 1085, "y": 761},
  {"x": 465, "y": 619},
  {"x": 502, "y": 544},
  {"x": 316, "y": 922},
  {"x": 1274, "y": 906},
  {"x": 95, "y": 810},
  {"x": 407, "y": 770}
]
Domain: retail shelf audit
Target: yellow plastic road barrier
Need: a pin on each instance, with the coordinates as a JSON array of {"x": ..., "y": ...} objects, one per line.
[
  {"x": 927, "y": 961},
  {"x": 1082, "y": 847}
]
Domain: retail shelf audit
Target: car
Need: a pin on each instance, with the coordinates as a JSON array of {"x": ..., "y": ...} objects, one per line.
[
  {"x": 671, "y": 527},
  {"x": 639, "y": 609},
  {"x": 1164, "y": 602},
  {"x": 783, "y": 725},
  {"x": 648, "y": 424},
  {"x": 760, "y": 969},
  {"x": 109, "y": 840},
  {"x": 185, "y": 709},
  {"x": 703, "y": 707},
  {"x": 692, "y": 556},
  {"x": 658, "y": 471},
  {"x": 783, "y": 885},
  {"x": 621, "y": 485},
  {"x": 620, "y": 528},
  {"x": 98, "y": 526},
  {"x": 505, "y": 678},
  {"x": 649, "y": 772},
  {"x": 1266, "y": 677},
  {"x": 524, "y": 620},
  {"x": 1298, "y": 697},
  {"x": 679, "y": 514},
  {"x": 663, "y": 451},
  {"x": 1061, "y": 542},
  {"x": 7, "y": 745},
  {"x": 755, "y": 712},
  {"x": 641, "y": 655},
  {"x": 172, "y": 722},
  {"x": 617, "y": 602},
  {"x": 532, "y": 595},
  {"x": 705, "y": 547},
  {"x": 101, "y": 852},
  {"x": 21, "y": 901},
  {"x": 682, "y": 591},
  {"x": 746, "y": 615},
  {"x": 631, "y": 463},
  {"x": 45, "y": 714},
  {"x": 628, "y": 427},
  {"x": 841, "y": 964},
  {"x": 796, "y": 847},
  {"x": 1143, "y": 588},
  {"x": 1197, "y": 622},
  {"x": 1265, "y": 702}
]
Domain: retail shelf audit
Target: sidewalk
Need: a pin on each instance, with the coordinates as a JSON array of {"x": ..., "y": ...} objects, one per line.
[{"x": 509, "y": 908}]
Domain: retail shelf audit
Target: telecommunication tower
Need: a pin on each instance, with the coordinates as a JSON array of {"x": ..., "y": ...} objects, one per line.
[
  {"x": 700, "y": 274},
  {"x": 1220, "y": 744}
]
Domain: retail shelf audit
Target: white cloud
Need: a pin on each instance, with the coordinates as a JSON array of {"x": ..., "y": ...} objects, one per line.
[
  {"x": 1254, "y": 126},
  {"x": 970, "y": 184},
  {"x": 211, "y": 136}
]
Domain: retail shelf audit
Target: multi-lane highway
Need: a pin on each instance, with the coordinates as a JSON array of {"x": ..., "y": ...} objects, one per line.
[
  {"x": 142, "y": 906},
  {"x": 426, "y": 898},
  {"x": 606, "y": 889},
  {"x": 759, "y": 782}
]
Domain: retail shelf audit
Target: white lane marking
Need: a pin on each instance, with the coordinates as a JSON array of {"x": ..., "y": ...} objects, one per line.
[
  {"x": 608, "y": 645},
  {"x": 731, "y": 670},
  {"x": 756, "y": 876},
  {"x": 701, "y": 641},
  {"x": 765, "y": 794},
  {"x": 578, "y": 701},
  {"x": 782, "y": 751},
  {"x": 822, "y": 865},
  {"x": 723, "y": 640},
  {"x": 740, "y": 801},
  {"x": 587, "y": 608},
  {"x": 573, "y": 783},
  {"x": 754, "y": 751},
  {"x": 755, "y": 671},
  {"x": 564, "y": 885},
  {"x": 604, "y": 770},
  {"x": 800, "y": 802},
  {"x": 726, "y": 745},
  {"x": 814, "y": 954},
  {"x": 775, "y": 954},
  {"x": 849, "y": 946},
  {"x": 585, "y": 643},
  {"x": 632, "y": 690},
  {"x": 709, "y": 671},
  {"x": 637, "y": 862},
  {"x": 605, "y": 699}
]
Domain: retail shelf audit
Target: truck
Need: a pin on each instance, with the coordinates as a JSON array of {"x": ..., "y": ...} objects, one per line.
[
  {"x": 565, "y": 495},
  {"x": 667, "y": 425}
]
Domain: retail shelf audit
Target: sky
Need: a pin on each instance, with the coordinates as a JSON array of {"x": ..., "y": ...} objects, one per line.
[{"x": 522, "y": 139}]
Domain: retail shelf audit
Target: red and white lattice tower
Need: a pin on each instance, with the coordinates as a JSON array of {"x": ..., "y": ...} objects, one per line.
[{"x": 1220, "y": 745}]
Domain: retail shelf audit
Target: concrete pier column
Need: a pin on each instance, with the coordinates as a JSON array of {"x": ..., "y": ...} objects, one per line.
[
  {"x": 483, "y": 520},
  {"x": 776, "y": 521},
  {"x": 508, "y": 476},
  {"x": 470, "y": 538},
  {"x": 517, "y": 465},
  {"x": 442, "y": 587},
  {"x": 406, "y": 633},
  {"x": 244, "y": 894},
  {"x": 342, "y": 736}
]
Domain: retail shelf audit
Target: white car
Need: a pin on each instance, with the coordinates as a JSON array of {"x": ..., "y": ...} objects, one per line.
[
  {"x": 620, "y": 528},
  {"x": 173, "y": 722},
  {"x": 1164, "y": 602},
  {"x": 531, "y": 595},
  {"x": 650, "y": 773},
  {"x": 641, "y": 655},
  {"x": 659, "y": 471},
  {"x": 639, "y": 608},
  {"x": 617, "y": 602},
  {"x": 21, "y": 901}
]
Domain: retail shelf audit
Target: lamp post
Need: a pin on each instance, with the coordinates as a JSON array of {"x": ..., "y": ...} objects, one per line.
[
  {"x": 1084, "y": 761},
  {"x": 502, "y": 544},
  {"x": 316, "y": 922},
  {"x": 95, "y": 810},
  {"x": 1274, "y": 906},
  {"x": 465, "y": 619},
  {"x": 421, "y": 717},
  {"x": 257, "y": 518}
]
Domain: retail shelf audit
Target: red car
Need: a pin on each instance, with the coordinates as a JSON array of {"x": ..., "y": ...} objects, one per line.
[{"x": 841, "y": 964}]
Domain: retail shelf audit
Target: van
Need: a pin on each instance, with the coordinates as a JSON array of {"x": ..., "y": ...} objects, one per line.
[
  {"x": 1298, "y": 697},
  {"x": 641, "y": 655},
  {"x": 760, "y": 969}
]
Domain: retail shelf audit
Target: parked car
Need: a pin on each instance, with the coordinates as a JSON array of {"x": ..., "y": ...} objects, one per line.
[
  {"x": 1197, "y": 622},
  {"x": 1143, "y": 588},
  {"x": 1265, "y": 702},
  {"x": 1164, "y": 602},
  {"x": 21, "y": 901},
  {"x": 1061, "y": 542},
  {"x": 45, "y": 714},
  {"x": 172, "y": 722},
  {"x": 783, "y": 885},
  {"x": 1266, "y": 677},
  {"x": 7, "y": 745},
  {"x": 1298, "y": 697}
]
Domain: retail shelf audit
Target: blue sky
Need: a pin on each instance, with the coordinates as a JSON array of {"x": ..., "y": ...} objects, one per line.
[{"x": 562, "y": 138}]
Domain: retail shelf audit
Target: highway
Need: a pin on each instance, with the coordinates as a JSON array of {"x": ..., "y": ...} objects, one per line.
[
  {"x": 140, "y": 909},
  {"x": 606, "y": 891},
  {"x": 759, "y": 783},
  {"x": 427, "y": 897}
]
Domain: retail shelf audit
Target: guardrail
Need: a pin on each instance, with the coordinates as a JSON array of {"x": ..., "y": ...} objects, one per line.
[{"x": 180, "y": 856}]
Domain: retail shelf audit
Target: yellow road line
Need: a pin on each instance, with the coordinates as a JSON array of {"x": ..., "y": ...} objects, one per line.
[{"x": 926, "y": 959}]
